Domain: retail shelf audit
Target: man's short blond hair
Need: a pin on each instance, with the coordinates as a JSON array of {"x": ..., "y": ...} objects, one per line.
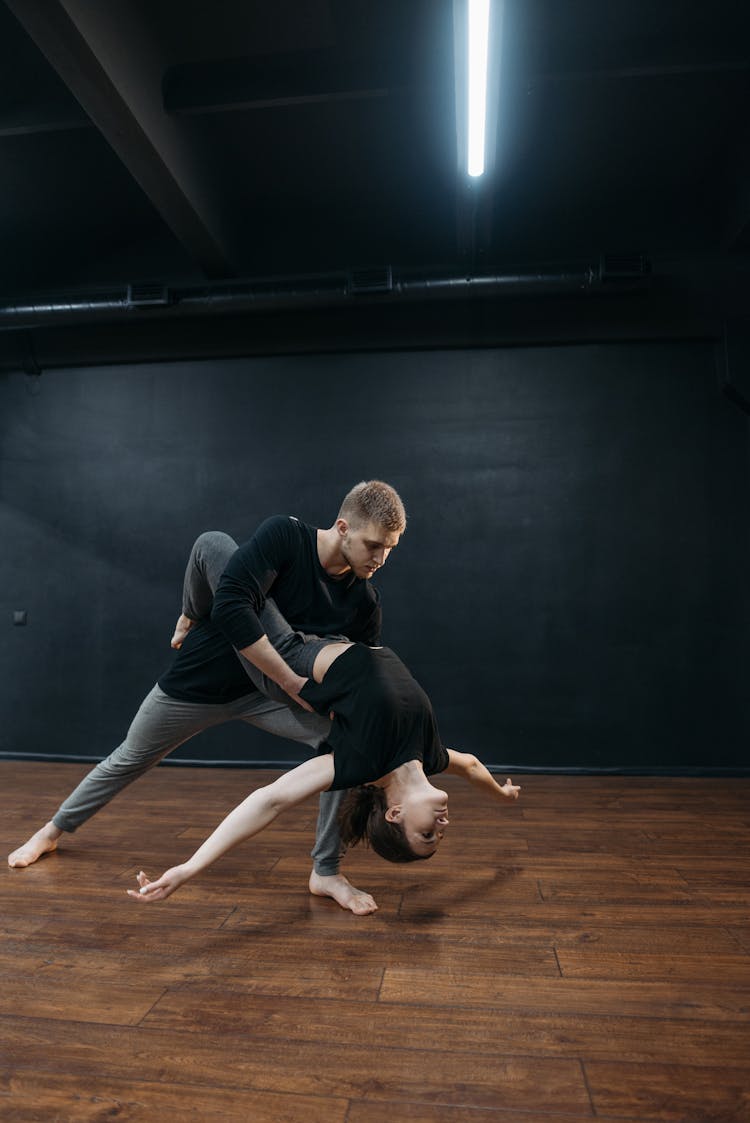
[{"x": 373, "y": 501}]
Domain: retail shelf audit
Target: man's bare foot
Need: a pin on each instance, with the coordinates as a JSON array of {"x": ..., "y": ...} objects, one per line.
[
  {"x": 343, "y": 892},
  {"x": 181, "y": 629},
  {"x": 40, "y": 843}
]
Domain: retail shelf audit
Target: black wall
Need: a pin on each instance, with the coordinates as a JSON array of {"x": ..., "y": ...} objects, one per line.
[{"x": 571, "y": 588}]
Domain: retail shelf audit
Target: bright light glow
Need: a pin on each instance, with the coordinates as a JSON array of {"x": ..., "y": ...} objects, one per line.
[{"x": 479, "y": 26}]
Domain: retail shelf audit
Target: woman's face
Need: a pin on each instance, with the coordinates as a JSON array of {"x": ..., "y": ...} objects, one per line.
[{"x": 424, "y": 818}]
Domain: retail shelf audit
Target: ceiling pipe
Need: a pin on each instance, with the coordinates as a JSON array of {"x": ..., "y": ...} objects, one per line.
[{"x": 306, "y": 292}]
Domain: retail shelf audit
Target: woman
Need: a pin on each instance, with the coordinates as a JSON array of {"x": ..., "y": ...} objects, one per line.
[{"x": 383, "y": 744}]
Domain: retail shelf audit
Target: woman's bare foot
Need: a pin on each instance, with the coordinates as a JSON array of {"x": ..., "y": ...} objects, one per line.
[
  {"x": 343, "y": 892},
  {"x": 40, "y": 843},
  {"x": 181, "y": 629}
]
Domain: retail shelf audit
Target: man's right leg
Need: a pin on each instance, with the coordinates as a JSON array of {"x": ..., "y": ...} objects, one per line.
[{"x": 161, "y": 724}]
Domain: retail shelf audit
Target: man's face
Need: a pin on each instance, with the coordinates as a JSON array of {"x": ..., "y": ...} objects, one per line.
[{"x": 366, "y": 548}]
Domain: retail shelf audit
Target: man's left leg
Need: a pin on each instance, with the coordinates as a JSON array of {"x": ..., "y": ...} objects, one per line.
[{"x": 325, "y": 879}]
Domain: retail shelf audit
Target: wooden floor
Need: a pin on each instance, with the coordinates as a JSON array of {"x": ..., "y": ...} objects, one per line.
[{"x": 582, "y": 955}]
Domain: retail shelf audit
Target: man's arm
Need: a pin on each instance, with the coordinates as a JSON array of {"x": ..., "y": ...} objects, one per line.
[
  {"x": 472, "y": 769},
  {"x": 247, "y": 577},
  {"x": 246, "y": 820},
  {"x": 263, "y": 655},
  {"x": 241, "y": 595}
]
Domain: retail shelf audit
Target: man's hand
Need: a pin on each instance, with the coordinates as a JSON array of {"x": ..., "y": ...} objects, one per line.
[
  {"x": 292, "y": 685},
  {"x": 266, "y": 658}
]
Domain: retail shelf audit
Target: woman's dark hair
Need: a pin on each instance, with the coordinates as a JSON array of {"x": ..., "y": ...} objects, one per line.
[{"x": 362, "y": 819}]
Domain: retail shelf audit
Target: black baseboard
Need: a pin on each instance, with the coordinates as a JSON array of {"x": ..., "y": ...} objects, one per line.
[{"x": 514, "y": 769}]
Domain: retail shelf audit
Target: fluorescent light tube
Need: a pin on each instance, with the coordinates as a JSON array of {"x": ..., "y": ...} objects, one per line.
[{"x": 479, "y": 26}]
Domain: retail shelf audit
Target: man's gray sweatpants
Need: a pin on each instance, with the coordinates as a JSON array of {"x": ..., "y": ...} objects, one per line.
[{"x": 163, "y": 723}]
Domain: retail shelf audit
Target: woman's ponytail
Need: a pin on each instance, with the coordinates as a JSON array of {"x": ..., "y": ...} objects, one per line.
[{"x": 357, "y": 806}]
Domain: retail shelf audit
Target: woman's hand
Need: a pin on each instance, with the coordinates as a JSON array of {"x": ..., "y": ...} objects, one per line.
[
  {"x": 472, "y": 769},
  {"x": 246, "y": 820},
  {"x": 161, "y": 889}
]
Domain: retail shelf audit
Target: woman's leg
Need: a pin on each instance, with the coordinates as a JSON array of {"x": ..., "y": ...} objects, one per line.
[{"x": 208, "y": 559}]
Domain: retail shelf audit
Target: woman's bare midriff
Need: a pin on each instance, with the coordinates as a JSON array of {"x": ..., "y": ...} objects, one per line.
[{"x": 325, "y": 657}]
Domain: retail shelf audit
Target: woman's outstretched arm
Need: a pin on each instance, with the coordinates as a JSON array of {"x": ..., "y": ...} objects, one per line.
[
  {"x": 472, "y": 769},
  {"x": 259, "y": 809}
]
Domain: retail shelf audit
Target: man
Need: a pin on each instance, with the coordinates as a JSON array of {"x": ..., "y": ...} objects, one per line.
[{"x": 320, "y": 581}]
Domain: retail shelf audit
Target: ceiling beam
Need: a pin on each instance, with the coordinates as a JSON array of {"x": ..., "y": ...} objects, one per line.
[
  {"x": 111, "y": 66},
  {"x": 292, "y": 78}
]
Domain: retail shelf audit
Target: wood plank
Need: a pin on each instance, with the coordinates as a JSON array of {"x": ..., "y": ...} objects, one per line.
[
  {"x": 628, "y": 889},
  {"x": 62, "y": 1098},
  {"x": 742, "y": 936},
  {"x": 434, "y": 1113},
  {"x": 674, "y": 1092},
  {"x": 697, "y": 998},
  {"x": 18, "y": 918},
  {"x": 574, "y": 912},
  {"x": 353, "y": 1071},
  {"x": 373, "y": 948},
  {"x": 592, "y": 962},
  {"x": 50, "y": 993},
  {"x": 562, "y": 929},
  {"x": 204, "y": 1007},
  {"x": 661, "y": 941},
  {"x": 213, "y": 967}
]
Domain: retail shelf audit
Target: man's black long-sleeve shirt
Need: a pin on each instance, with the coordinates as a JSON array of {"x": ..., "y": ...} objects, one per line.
[{"x": 280, "y": 559}]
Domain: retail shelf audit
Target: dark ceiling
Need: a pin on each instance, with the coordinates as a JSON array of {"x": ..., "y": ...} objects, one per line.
[{"x": 185, "y": 143}]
